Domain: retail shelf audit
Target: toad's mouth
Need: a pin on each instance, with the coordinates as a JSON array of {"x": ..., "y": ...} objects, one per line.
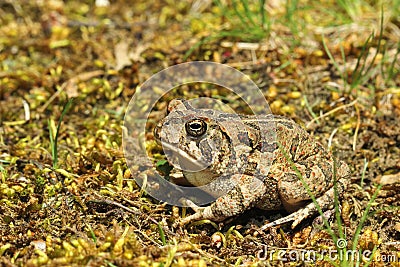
[{"x": 182, "y": 159}]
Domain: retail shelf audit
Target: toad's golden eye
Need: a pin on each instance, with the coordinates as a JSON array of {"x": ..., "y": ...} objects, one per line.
[{"x": 196, "y": 127}]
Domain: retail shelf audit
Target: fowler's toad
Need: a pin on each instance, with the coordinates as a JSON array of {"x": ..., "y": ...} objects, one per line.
[{"x": 267, "y": 162}]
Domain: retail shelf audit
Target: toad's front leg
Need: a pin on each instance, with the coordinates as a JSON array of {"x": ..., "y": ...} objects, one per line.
[{"x": 243, "y": 196}]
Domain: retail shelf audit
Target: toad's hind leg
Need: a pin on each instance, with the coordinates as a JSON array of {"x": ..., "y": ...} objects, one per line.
[
  {"x": 324, "y": 202},
  {"x": 303, "y": 179},
  {"x": 311, "y": 176}
]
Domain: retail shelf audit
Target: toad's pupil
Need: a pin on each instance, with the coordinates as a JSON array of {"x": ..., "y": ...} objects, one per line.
[{"x": 195, "y": 126}]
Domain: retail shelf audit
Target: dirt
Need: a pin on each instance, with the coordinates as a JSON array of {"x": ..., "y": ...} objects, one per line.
[{"x": 83, "y": 207}]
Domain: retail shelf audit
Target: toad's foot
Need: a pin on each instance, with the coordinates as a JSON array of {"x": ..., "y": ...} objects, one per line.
[
  {"x": 191, "y": 205},
  {"x": 297, "y": 217},
  {"x": 194, "y": 217}
]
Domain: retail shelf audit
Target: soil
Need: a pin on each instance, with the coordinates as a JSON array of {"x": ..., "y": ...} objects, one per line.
[{"x": 80, "y": 205}]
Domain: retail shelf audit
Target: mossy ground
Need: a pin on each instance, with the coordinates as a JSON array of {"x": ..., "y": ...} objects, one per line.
[{"x": 327, "y": 62}]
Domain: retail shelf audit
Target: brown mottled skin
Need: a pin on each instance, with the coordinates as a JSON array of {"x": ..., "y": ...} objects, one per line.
[{"x": 260, "y": 154}]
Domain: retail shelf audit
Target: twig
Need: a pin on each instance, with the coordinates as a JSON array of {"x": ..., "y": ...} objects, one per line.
[
  {"x": 245, "y": 46},
  {"x": 27, "y": 111},
  {"x": 136, "y": 212},
  {"x": 147, "y": 237},
  {"x": 330, "y": 112},
  {"x": 331, "y": 137}
]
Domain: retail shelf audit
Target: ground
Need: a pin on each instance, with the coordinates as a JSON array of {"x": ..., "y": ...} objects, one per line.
[{"x": 67, "y": 73}]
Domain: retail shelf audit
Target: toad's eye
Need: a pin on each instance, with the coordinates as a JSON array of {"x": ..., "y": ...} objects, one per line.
[{"x": 196, "y": 127}]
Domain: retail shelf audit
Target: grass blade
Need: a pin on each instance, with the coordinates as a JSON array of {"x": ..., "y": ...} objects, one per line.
[
  {"x": 238, "y": 14},
  {"x": 378, "y": 47},
  {"x": 247, "y": 12},
  {"x": 391, "y": 70},
  {"x": 262, "y": 13},
  {"x": 363, "y": 55},
  {"x": 365, "y": 216},
  {"x": 162, "y": 234},
  {"x": 54, "y": 138},
  {"x": 334, "y": 62}
]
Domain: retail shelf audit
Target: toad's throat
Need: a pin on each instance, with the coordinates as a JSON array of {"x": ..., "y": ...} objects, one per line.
[{"x": 183, "y": 160}]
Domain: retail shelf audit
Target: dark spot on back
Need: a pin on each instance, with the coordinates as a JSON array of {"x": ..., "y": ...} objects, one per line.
[
  {"x": 267, "y": 147},
  {"x": 244, "y": 138}
]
